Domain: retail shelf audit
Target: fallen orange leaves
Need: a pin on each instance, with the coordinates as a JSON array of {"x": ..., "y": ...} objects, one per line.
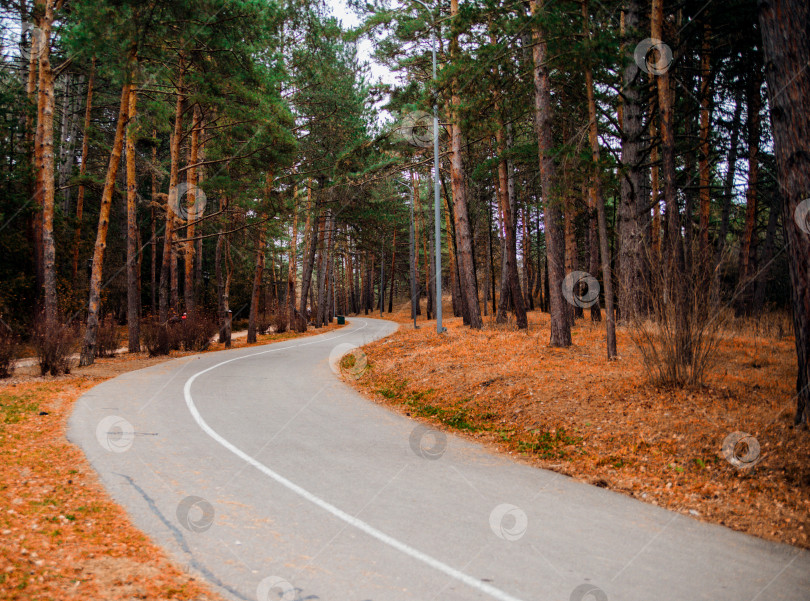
[
  {"x": 60, "y": 534},
  {"x": 571, "y": 411}
]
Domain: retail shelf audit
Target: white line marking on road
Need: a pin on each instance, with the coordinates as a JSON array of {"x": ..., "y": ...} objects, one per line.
[{"x": 336, "y": 512}]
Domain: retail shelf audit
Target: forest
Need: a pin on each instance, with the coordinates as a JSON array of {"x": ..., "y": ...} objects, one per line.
[{"x": 234, "y": 163}]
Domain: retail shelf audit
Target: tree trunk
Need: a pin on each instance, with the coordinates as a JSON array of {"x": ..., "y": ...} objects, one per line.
[
  {"x": 784, "y": 25},
  {"x": 77, "y": 234},
  {"x": 599, "y": 203},
  {"x": 510, "y": 282},
  {"x": 538, "y": 285},
  {"x": 655, "y": 187},
  {"x": 323, "y": 263},
  {"x": 153, "y": 223},
  {"x": 731, "y": 171},
  {"x": 192, "y": 212},
  {"x": 747, "y": 244},
  {"x": 555, "y": 245},
  {"x": 67, "y": 143},
  {"x": 168, "y": 266},
  {"x": 133, "y": 292},
  {"x": 459, "y": 185},
  {"x": 31, "y": 144},
  {"x": 761, "y": 277},
  {"x": 633, "y": 202},
  {"x": 393, "y": 266},
  {"x": 674, "y": 246},
  {"x": 292, "y": 265},
  {"x": 308, "y": 260},
  {"x": 489, "y": 280},
  {"x": 452, "y": 248},
  {"x": 44, "y": 160},
  {"x": 257, "y": 283},
  {"x": 528, "y": 273},
  {"x": 571, "y": 250},
  {"x": 223, "y": 288},
  {"x": 89, "y": 347},
  {"x": 705, "y": 125}
]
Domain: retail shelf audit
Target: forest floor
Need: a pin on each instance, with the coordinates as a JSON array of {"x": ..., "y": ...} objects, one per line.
[
  {"x": 605, "y": 423},
  {"x": 60, "y": 534}
]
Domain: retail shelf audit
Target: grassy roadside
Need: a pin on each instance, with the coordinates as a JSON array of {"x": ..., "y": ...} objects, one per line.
[
  {"x": 571, "y": 411},
  {"x": 60, "y": 534}
]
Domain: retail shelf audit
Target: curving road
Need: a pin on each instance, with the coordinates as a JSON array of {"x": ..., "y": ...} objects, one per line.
[{"x": 264, "y": 473}]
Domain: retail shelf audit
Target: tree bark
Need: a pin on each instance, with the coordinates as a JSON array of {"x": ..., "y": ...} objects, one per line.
[
  {"x": 89, "y": 347},
  {"x": 32, "y": 141},
  {"x": 77, "y": 234},
  {"x": 223, "y": 282},
  {"x": 167, "y": 271},
  {"x": 257, "y": 283},
  {"x": 599, "y": 202},
  {"x": 393, "y": 266},
  {"x": 466, "y": 269},
  {"x": 705, "y": 124},
  {"x": 44, "y": 160},
  {"x": 555, "y": 245},
  {"x": 728, "y": 183},
  {"x": 133, "y": 291},
  {"x": 761, "y": 277},
  {"x": 784, "y": 25},
  {"x": 633, "y": 202},
  {"x": 192, "y": 212},
  {"x": 153, "y": 224},
  {"x": 674, "y": 246},
  {"x": 747, "y": 244},
  {"x": 510, "y": 282},
  {"x": 309, "y": 257},
  {"x": 292, "y": 268}
]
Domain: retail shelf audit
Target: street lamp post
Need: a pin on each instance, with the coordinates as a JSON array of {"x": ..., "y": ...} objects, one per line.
[{"x": 436, "y": 203}]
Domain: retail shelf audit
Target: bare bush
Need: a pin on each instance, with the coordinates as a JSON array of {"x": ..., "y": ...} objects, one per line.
[
  {"x": 8, "y": 352},
  {"x": 155, "y": 337},
  {"x": 280, "y": 321},
  {"x": 679, "y": 332},
  {"x": 197, "y": 330},
  {"x": 108, "y": 338},
  {"x": 54, "y": 343}
]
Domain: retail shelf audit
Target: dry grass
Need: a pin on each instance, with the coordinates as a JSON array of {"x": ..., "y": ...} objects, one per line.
[
  {"x": 61, "y": 537},
  {"x": 571, "y": 411}
]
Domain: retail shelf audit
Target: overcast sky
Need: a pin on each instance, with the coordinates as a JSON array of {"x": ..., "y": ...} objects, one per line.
[{"x": 349, "y": 19}]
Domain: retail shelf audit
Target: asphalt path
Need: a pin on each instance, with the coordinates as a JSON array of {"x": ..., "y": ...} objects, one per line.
[{"x": 264, "y": 473}]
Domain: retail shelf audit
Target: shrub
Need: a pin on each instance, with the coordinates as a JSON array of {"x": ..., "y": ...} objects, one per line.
[
  {"x": 54, "y": 343},
  {"x": 155, "y": 337},
  {"x": 174, "y": 334},
  {"x": 108, "y": 338},
  {"x": 679, "y": 334},
  {"x": 196, "y": 331},
  {"x": 280, "y": 321},
  {"x": 8, "y": 352}
]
